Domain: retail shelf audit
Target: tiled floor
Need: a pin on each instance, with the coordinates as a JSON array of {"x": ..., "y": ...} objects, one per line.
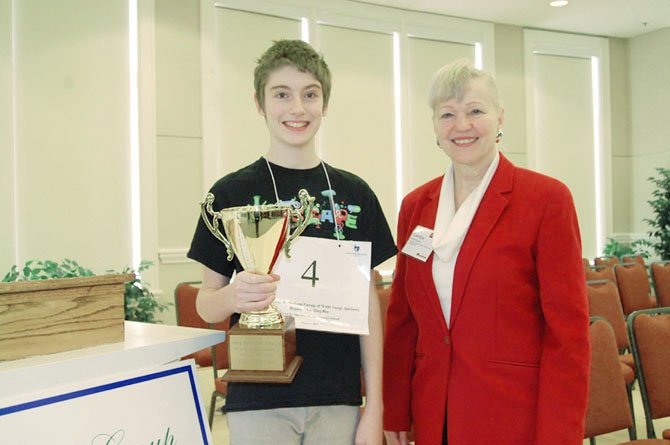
[{"x": 220, "y": 431}]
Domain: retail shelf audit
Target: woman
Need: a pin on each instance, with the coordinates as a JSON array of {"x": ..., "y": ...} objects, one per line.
[{"x": 487, "y": 327}]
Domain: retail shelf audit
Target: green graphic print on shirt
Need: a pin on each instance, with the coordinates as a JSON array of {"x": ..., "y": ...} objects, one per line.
[{"x": 346, "y": 215}]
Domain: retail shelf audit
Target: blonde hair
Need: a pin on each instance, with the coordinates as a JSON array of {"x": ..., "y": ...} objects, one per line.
[{"x": 451, "y": 82}]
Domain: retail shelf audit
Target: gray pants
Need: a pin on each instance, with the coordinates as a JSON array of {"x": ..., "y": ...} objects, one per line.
[{"x": 312, "y": 425}]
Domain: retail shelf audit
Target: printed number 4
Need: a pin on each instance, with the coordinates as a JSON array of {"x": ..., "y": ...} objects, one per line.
[{"x": 313, "y": 278}]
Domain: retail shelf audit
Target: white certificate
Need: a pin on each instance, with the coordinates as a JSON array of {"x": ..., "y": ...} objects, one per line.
[{"x": 325, "y": 285}]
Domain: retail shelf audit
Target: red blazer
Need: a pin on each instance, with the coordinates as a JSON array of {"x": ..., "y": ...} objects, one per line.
[{"x": 513, "y": 368}]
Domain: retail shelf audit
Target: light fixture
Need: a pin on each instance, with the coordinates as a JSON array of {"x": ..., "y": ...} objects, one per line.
[{"x": 558, "y": 3}]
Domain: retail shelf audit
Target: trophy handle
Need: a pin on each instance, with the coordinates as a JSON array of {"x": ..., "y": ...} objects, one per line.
[
  {"x": 306, "y": 204},
  {"x": 213, "y": 226}
]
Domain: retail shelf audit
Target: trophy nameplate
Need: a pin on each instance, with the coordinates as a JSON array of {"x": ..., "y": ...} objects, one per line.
[
  {"x": 270, "y": 354},
  {"x": 262, "y": 346}
]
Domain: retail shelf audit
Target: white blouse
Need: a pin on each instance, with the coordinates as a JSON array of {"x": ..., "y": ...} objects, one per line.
[{"x": 450, "y": 229}]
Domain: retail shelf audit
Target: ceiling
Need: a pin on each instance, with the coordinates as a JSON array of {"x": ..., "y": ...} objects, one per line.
[{"x": 611, "y": 18}]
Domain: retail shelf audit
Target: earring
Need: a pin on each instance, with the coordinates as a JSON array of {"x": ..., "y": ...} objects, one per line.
[
  {"x": 499, "y": 135},
  {"x": 437, "y": 141}
]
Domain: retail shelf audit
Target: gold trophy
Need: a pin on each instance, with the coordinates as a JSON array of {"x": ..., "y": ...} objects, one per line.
[{"x": 261, "y": 347}]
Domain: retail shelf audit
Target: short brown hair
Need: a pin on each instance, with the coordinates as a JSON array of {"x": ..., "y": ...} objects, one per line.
[{"x": 294, "y": 53}]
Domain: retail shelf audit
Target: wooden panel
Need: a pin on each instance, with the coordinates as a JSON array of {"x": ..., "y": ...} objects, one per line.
[{"x": 43, "y": 317}]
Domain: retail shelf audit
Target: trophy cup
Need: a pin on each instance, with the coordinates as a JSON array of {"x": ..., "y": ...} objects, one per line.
[{"x": 261, "y": 347}]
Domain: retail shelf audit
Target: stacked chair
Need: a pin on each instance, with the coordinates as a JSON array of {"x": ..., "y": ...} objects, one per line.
[
  {"x": 217, "y": 356},
  {"x": 608, "y": 407},
  {"x": 602, "y": 272},
  {"x": 625, "y": 315},
  {"x": 184, "y": 301},
  {"x": 634, "y": 288},
  {"x": 660, "y": 272},
  {"x": 606, "y": 261},
  {"x": 649, "y": 332},
  {"x": 634, "y": 259},
  {"x": 220, "y": 360},
  {"x": 604, "y": 302},
  {"x": 384, "y": 293}
]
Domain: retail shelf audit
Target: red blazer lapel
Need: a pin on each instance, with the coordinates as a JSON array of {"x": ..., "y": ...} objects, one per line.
[
  {"x": 425, "y": 270},
  {"x": 491, "y": 207}
]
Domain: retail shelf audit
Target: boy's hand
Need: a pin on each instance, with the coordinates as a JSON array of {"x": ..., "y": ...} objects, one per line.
[
  {"x": 369, "y": 431},
  {"x": 252, "y": 292}
]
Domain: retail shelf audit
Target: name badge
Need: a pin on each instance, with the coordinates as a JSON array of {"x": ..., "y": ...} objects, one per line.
[
  {"x": 325, "y": 285},
  {"x": 420, "y": 244}
]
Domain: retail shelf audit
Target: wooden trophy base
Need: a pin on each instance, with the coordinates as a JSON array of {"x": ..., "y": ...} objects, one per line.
[
  {"x": 262, "y": 355},
  {"x": 248, "y": 376}
]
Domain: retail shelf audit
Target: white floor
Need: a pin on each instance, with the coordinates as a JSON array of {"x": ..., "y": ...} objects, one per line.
[{"x": 220, "y": 430}]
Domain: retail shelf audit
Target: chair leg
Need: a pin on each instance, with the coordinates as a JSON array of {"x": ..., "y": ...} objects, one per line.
[
  {"x": 632, "y": 431},
  {"x": 651, "y": 433},
  {"x": 212, "y": 406}
]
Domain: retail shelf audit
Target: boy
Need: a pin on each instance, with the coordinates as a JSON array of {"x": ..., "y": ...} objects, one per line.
[{"x": 321, "y": 406}]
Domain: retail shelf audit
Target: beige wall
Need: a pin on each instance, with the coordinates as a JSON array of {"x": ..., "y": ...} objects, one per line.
[
  {"x": 621, "y": 146},
  {"x": 510, "y": 77},
  {"x": 68, "y": 119},
  {"x": 6, "y": 159},
  {"x": 649, "y": 73},
  {"x": 178, "y": 140}
]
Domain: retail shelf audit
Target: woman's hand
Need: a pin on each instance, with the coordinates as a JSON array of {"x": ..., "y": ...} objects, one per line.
[{"x": 396, "y": 437}]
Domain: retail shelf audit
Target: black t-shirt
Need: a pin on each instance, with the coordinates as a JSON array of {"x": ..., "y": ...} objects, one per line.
[{"x": 330, "y": 373}]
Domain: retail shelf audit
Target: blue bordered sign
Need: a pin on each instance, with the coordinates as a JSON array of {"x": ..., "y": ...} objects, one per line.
[{"x": 157, "y": 405}]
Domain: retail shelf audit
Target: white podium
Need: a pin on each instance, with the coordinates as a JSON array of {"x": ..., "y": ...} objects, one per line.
[{"x": 146, "y": 347}]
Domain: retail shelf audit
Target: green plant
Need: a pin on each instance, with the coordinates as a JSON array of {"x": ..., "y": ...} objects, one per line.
[
  {"x": 618, "y": 249},
  {"x": 140, "y": 302},
  {"x": 44, "y": 270},
  {"x": 660, "y": 223}
]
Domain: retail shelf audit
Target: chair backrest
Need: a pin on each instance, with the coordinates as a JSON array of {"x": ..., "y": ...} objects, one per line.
[
  {"x": 384, "y": 296},
  {"x": 384, "y": 293},
  {"x": 604, "y": 302},
  {"x": 603, "y": 272},
  {"x": 220, "y": 351},
  {"x": 660, "y": 271},
  {"x": 634, "y": 259},
  {"x": 606, "y": 260},
  {"x": 185, "y": 295},
  {"x": 377, "y": 278},
  {"x": 649, "y": 331},
  {"x": 634, "y": 288},
  {"x": 608, "y": 408}
]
